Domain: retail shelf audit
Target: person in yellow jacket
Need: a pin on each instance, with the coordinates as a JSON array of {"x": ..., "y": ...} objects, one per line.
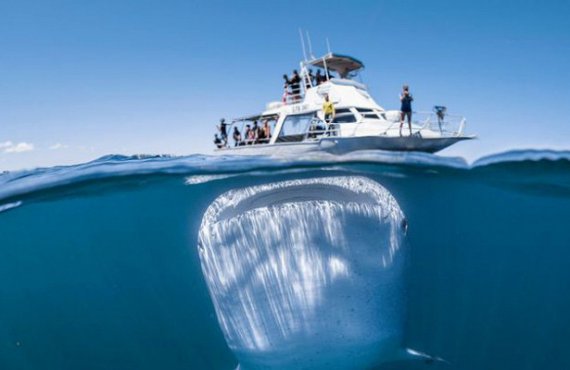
[{"x": 328, "y": 110}]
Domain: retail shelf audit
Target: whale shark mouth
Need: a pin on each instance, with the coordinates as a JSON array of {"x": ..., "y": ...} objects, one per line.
[{"x": 306, "y": 270}]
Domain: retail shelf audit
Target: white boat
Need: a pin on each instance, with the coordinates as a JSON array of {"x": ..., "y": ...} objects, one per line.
[{"x": 297, "y": 121}]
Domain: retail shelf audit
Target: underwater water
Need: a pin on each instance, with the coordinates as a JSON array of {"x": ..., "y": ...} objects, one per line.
[{"x": 319, "y": 262}]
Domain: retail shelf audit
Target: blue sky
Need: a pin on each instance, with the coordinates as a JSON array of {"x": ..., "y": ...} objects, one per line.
[{"x": 81, "y": 79}]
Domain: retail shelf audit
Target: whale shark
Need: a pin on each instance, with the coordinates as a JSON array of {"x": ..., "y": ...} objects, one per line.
[{"x": 309, "y": 274}]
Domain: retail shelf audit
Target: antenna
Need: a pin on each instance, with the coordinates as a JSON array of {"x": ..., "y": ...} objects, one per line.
[
  {"x": 303, "y": 44},
  {"x": 328, "y": 46},
  {"x": 310, "y": 46}
]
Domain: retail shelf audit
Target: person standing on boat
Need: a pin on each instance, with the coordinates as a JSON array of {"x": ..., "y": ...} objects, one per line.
[
  {"x": 264, "y": 133},
  {"x": 328, "y": 110},
  {"x": 319, "y": 78},
  {"x": 218, "y": 142},
  {"x": 406, "y": 109},
  {"x": 248, "y": 135},
  {"x": 259, "y": 135},
  {"x": 295, "y": 82},
  {"x": 223, "y": 128},
  {"x": 254, "y": 133},
  {"x": 286, "y": 85},
  {"x": 266, "y": 130},
  {"x": 237, "y": 136}
]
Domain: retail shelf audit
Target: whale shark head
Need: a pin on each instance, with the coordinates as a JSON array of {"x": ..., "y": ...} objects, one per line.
[{"x": 307, "y": 272}]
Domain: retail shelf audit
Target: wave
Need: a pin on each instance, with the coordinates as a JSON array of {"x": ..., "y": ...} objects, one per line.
[
  {"x": 18, "y": 183},
  {"x": 518, "y": 156}
]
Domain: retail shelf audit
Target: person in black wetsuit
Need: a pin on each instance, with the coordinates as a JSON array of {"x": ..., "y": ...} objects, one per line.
[
  {"x": 223, "y": 128},
  {"x": 218, "y": 142},
  {"x": 295, "y": 83},
  {"x": 286, "y": 92},
  {"x": 406, "y": 109},
  {"x": 320, "y": 78}
]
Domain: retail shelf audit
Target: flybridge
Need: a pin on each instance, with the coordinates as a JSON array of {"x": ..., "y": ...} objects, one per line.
[{"x": 344, "y": 65}]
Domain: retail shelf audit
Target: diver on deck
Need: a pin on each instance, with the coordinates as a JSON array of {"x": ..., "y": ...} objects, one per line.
[
  {"x": 223, "y": 128},
  {"x": 406, "y": 109}
]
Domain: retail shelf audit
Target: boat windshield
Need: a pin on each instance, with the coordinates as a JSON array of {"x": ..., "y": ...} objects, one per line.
[
  {"x": 295, "y": 127},
  {"x": 369, "y": 113}
]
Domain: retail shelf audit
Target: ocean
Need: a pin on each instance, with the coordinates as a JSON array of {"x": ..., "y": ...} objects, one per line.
[{"x": 318, "y": 262}]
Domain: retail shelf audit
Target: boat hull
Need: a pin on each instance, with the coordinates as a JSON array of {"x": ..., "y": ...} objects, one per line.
[{"x": 340, "y": 145}]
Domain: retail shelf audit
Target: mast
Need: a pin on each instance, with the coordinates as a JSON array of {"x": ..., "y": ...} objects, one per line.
[
  {"x": 303, "y": 44},
  {"x": 311, "y": 55}
]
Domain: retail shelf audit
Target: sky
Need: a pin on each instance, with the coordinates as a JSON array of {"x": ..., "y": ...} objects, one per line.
[{"x": 82, "y": 79}]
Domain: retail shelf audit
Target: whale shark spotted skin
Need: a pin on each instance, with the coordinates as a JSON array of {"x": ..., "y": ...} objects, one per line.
[{"x": 307, "y": 274}]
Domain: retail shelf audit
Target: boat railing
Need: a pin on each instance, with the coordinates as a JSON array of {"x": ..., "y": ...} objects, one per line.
[
  {"x": 318, "y": 129},
  {"x": 447, "y": 125},
  {"x": 290, "y": 98}
]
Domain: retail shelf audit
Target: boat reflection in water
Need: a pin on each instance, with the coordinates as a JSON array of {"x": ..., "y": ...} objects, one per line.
[{"x": 307, "y": 273}]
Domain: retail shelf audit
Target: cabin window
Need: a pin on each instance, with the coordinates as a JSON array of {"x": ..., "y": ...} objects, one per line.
[
  {"x": 342, "y": 110},
  {"x": 371, "y": 115},
  {"x": 368, "y": 113},
  {"x": 344, "y": 116},
  {"x": 294, "y": 127}
]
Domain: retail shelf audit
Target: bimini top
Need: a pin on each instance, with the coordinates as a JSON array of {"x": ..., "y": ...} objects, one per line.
[
  {"x": 256, "y": 117},
  {"x": 342, "y": 64}
]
